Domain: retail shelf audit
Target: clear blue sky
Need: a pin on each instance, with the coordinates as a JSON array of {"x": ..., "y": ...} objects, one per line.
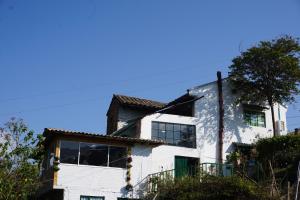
[{"x": 61, "y": 61}]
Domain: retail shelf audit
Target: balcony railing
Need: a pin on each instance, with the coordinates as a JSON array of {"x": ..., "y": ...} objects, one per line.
[{"x": 213, "y": 169}]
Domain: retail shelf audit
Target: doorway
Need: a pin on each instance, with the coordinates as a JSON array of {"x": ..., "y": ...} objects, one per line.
[{"x": 186, "y": 166}]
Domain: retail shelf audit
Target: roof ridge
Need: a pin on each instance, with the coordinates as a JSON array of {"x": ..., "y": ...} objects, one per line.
[{"x": 139, "y": 98}]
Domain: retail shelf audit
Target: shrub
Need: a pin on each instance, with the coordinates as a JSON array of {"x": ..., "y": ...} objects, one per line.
[
  {"x": 284, "y": 154},
  {"x": 213, "y": 188}
]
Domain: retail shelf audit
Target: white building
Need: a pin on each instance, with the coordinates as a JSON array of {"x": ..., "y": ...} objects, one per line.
[{"x": 146, "y": 137}]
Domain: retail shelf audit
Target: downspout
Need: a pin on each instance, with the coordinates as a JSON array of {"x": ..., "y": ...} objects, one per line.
[{"x": 221, "y": 117}]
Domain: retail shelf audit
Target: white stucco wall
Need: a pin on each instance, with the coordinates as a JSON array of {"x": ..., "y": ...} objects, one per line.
[
  {"x": 206, "y": 120},
  {"x": 163, "y": 157},
  {"x": 235, "y": 129},
  {"x": 109, "y": 182},
  {"x": 79, "y": 180}
]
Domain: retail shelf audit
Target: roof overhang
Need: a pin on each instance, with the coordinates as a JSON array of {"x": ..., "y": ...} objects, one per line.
[{"x": 51, "y": 133}]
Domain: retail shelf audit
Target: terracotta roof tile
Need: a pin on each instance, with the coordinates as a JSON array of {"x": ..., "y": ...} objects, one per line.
[{"x": 134, "y": 101}]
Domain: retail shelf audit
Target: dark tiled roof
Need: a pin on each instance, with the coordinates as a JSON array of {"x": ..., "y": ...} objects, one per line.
[
  {"x": 134, "y": 101},
  {"x": 50, "y": 132},
  {"x": 184, "y": 98}
]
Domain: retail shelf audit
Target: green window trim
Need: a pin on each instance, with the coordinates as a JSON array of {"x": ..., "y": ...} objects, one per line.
[{"x": 255, "y": 118}]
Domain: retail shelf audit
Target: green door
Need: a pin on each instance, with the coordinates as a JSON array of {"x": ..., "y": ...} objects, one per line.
[
  {"x": 181, "y": 166},
  {"x": 185, "y": 166}
]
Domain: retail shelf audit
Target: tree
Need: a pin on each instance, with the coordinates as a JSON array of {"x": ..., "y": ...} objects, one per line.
[
  {"x": 268, "y": 72},
  {"x": 20, "y": 157}
]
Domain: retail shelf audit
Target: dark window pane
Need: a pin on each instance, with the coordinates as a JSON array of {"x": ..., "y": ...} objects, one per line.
[
  {"x": 177, "y": 135},
  {"x": 170, "y": 141},
  {"x": 162, "y": 126},
  {"x": 93, "y": 154},
  {"x": 254, "y": 118},
  {"x": 176, "y": 127},
  {"x": 169, "y": 127},
  {"x": 69, "y": 152},
  {"x": 191, "y": 129},
  {"x": 162, "y": 134},
  {"x": 91, "y": 198},
  {"x": 154, "y": 125},
  {"x": 169, "y": 137},
  {"x": 155, "y": 134},
  {"x": 169, "y": 134},
  {"x": 117, "y": 157},
  {"x": 184, "y": 128}
]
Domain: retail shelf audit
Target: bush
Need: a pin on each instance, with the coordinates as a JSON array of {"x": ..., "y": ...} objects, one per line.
[
  {"x": 284, "y": 154},
  {"x": 212, "y": 188}
]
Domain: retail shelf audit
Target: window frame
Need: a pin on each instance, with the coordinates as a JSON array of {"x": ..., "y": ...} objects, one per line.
[
  {"x": 108, "y": 154},
  {"x": 177, "y": 128},
  {"x": 249, "y": 114},
  {"x": 86, "y": 196}
]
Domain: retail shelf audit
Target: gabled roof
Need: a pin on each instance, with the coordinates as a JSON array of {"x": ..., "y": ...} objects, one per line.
[
  {"x": 49, "y": 133},
  {"x": 184, "y": 98},
  {"x": 134, "y": 101}
]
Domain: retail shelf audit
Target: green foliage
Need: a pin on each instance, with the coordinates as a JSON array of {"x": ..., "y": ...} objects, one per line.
[
  {"x": 268, "y": 72},
  {"x": 284, "y": 154},
  {"x": 20, "y": 156},
  {"x": 210, "y": 187}
]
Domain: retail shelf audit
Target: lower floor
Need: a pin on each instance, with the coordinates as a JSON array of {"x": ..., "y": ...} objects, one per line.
[{"x": 75, "y": 194}]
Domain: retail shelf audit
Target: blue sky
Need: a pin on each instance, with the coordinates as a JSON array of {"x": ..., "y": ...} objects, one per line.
[{"x": 61, "y": 61}]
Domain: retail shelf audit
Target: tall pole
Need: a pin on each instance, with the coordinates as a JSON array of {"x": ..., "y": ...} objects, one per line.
[
  {"x": 221, "y": 117},
  {"x": 298, "y": 182}
]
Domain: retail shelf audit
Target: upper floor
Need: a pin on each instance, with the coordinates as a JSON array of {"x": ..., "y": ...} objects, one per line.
[{"x": 198, "y": 111}]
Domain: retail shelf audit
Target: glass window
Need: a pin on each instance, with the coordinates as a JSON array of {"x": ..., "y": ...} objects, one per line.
[
  {"x": 155, "y": 134},
  {"x": 161, "y": 134},
  {"x": 93, "y": 154},
  {"x": 175, "y": 134},
  {"x": 69, "y": 152},
  {"x": 155, "y": 125},
  {"x": 91, "y": 198},
  {"x": 170, "y": 137},
  {"x": 169, "y": 127},
  {"x": 254, "y": 118},
  {"x": 117, "y": 156}
]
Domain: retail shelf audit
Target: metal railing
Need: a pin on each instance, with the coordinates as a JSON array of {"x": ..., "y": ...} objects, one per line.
[{"x": 213, "y": 169}]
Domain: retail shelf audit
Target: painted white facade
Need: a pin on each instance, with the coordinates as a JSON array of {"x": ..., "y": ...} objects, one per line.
[
  {"x": 235, "y": 129},
  {"x": 110, "y": 182}
]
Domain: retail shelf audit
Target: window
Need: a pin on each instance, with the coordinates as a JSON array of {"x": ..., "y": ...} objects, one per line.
[
  {"x": 117, "y": 156},
  {"x": 69, "y": 152},
  {"x": 91, "y": 198},
  {"x": 92, "y": 154},
  {"x": 175, "y": 134},
  {"x": 255, "y": 118}
]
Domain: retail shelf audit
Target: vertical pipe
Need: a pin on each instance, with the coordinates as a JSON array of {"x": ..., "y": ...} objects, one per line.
[{"x": 221, "y": 117}]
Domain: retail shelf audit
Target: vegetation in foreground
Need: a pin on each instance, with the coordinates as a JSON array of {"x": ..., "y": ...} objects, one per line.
[
  {"x": 213, "y": 188},
  {"x": 20, "y": 156}
]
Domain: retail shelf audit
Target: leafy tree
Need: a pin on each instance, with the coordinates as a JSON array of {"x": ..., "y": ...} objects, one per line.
[
  {"x": 268, "y": 72},
  {"x": 20, "y": 156}
]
